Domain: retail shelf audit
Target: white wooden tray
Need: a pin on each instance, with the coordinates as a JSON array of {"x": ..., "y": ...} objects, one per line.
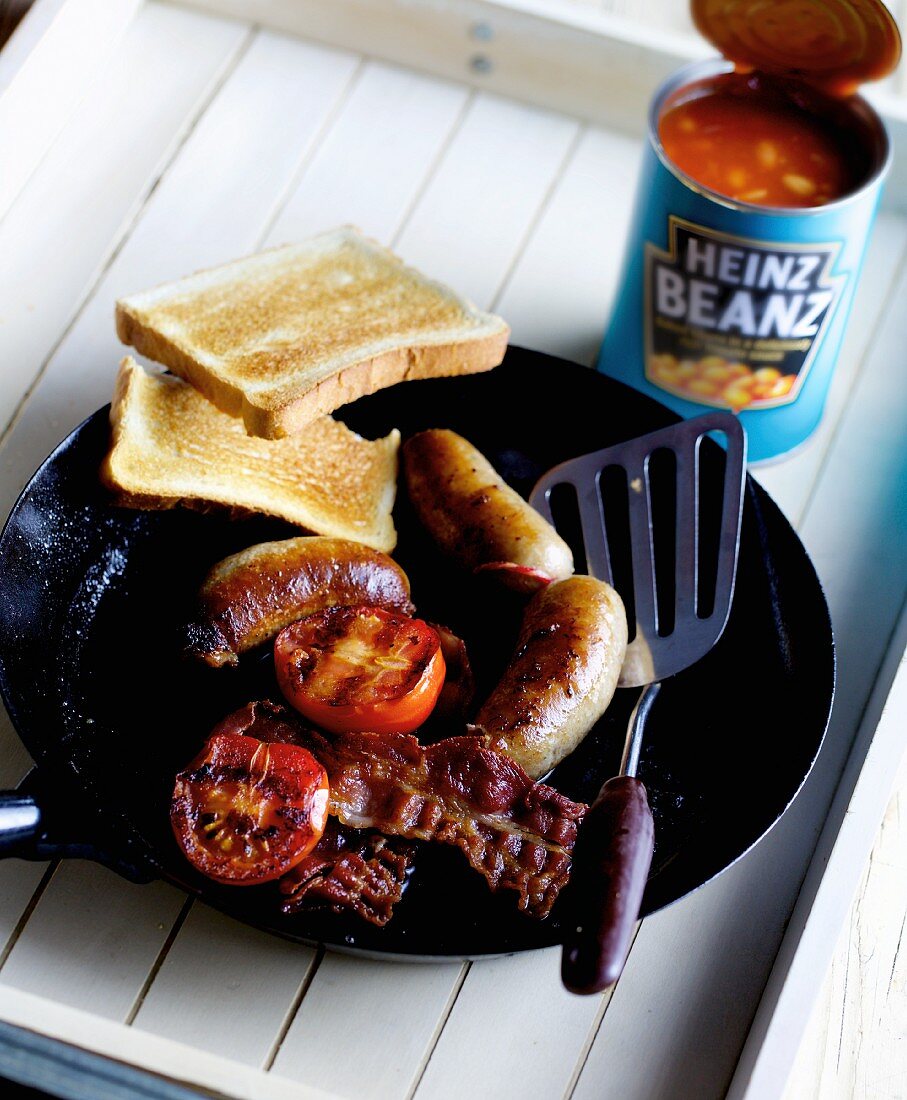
[{"x": 186, "y": 138}]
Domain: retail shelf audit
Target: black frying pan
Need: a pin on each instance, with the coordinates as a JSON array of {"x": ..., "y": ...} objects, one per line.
[{"x": 91, "y": 597}]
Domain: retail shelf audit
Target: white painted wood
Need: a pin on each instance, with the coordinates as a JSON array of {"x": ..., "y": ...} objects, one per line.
[
  {"x": 372, "y": 162},
  {"x": 172, "y": 1060},
  {"x": 855, "y": 1041},
  {"x": 792, "y": 480},
  {"x": 217, "y": 1015},
  {"x": 51, "y": 60},
  {"x": 477, "y": 209},
  {"x": 829, "y": 887},
  {"x": 19, "y": 881},
  {"x": 522, "y": 1030},
  {"x": 392, "y": 1010},
  {"x": 92, "y": 939},
  {"x": 587, "y": 62},
  {"x": 56, "y": 238},
  {"x": 558, "y": 297}
]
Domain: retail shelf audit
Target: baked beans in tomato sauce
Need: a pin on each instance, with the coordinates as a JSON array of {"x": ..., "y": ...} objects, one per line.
[{"x": 764, "y": 140}]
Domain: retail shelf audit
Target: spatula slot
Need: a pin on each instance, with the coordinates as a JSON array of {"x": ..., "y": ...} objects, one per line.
[
  {"x": 564, "y": 506},
  {"x": 662, "y": 478},
  {"x": 615, "y": 502},
  {"x": 713, "y": 461}
]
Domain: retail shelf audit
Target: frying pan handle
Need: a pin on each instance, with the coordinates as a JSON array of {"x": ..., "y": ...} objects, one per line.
[
  {"x": 20, "y": 823},
  {"x": 43, "y": 820},
  {"x": 611, "y": 863}
]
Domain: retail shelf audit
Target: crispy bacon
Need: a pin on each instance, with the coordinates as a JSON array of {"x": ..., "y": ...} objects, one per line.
[
  {"x": 517, "y": 833},
  {"x": 350, "y": 869}
]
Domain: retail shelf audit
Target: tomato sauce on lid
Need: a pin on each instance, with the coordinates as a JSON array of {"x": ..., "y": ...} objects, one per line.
[
  {"x": 778, "y": 131},
  {"x": 831, "y": 44}
]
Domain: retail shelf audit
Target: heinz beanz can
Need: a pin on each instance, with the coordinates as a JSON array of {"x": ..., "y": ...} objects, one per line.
[{"x": 736, "y": 302}]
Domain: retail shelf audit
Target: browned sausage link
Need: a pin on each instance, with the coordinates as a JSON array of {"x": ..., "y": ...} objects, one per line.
[
  {"x": 475, "y": 517},
  {"x": 560, "y": 681},
  {"x": 251, "y": 596}
]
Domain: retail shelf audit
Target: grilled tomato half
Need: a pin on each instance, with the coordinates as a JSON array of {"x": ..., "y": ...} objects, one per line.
[
  {"x": 245, "y": 811},
  {"x": 360, "y": 669}
]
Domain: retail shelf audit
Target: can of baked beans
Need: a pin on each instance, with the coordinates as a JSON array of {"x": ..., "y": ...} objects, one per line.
[{"x": 759, "y": 184}]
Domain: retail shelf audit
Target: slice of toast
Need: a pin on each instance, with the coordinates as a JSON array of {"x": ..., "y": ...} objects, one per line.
[
  {"x": 286, "y": 336},
  {"x": 171, "y": 446}
]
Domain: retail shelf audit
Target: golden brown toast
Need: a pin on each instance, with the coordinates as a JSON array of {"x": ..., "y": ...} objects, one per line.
[
  {"x": 286, "y": 336},
  {"x": 171, "y": 446}
]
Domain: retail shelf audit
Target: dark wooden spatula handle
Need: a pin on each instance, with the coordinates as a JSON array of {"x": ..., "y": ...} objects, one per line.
[{"x": 611, "y": 863}]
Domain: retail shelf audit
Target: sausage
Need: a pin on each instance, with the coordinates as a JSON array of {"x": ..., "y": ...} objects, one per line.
[
  {"x": 476, "y": 518},
  {"x": 561, "y": 678},
  {"x": 249, "y": 597}
]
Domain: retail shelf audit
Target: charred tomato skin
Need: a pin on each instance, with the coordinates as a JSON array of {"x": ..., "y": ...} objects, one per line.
[
  {"x": 360, "y": 669},
  {"x": 246, "y": 812}
]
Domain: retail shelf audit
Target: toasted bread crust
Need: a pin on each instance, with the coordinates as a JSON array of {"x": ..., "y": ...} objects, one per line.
[
  {"x": 292, "y": 356},
  {"x": 172, "y": 447},
  {"x": 348, "y": 384},
  {"x": 132, "y": 331},
  {"x": 403, "y": 365}
]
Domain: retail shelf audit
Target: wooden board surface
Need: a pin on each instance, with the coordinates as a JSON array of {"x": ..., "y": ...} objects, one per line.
[{"x": 249, "y": 138}]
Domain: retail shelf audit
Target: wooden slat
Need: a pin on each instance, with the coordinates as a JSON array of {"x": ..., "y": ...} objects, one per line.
[
  {"x": 19, "y": 880},
  {"x": 586, "y": 62},
  {"x": 46, "y": 67},
  {"x": 392, "y": 1010},
  {"x": 235, "y": 1010},
  {"x": 372, "y": 162},
  {"x": 558, "y": 297},
  {"x": 856, "y": 1040},
  {"x": 56, "y": 238},
  {"x": 92, "y": 939},
  {"x": 172, "y": 1060},
  {"x": 523, "y": 1032},
  {"x": 830, "y": 885},
  {"x": 474, "y": 215},
  {"x": 791, "y": 481},
  {"x": 246, "y": 150}
]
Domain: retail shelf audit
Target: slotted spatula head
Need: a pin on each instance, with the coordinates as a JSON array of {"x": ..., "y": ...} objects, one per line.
[{"x": 660, "y": 649}]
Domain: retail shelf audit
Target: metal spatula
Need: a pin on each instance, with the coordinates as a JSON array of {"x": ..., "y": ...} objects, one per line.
[{"x": 614, "y": 849}]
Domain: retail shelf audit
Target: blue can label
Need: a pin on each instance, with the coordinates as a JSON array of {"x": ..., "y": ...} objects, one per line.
[{"x": 735, "y": 322}]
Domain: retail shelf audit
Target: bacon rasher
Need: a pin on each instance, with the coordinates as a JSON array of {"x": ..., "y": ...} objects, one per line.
[
  {"x": 518, "y": 834},
  {"x": 350, "y": 869}
]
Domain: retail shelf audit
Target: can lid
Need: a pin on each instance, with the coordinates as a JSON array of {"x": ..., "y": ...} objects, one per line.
[{"x": 832, "y": 44}]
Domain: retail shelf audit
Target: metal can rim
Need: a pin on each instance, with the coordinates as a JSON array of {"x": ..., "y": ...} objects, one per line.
[{"x": 714, "y": 66}]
